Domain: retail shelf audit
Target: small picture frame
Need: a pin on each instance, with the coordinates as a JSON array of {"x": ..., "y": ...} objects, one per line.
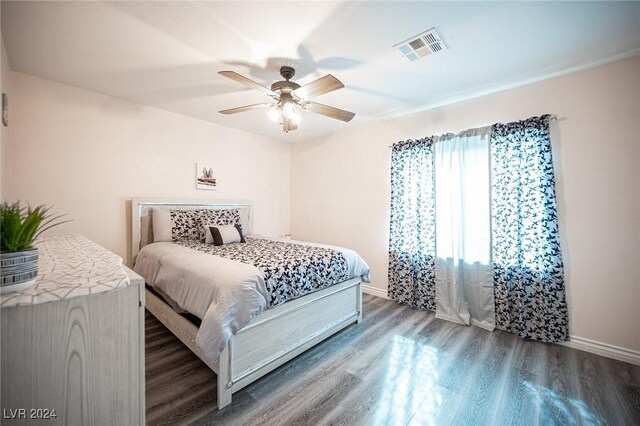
[
  {"x": 5, "y": 110},
  {"x": 205, "y": 177}
]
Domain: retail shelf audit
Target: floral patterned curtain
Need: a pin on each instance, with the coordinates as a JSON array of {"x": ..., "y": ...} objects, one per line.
[
  {"x": 527, "y": 261},
  {"x": 412, "y": 228},
  {"x": 528, "y": 276}
]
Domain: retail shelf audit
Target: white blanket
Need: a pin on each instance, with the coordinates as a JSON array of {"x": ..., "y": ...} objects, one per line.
[{"x": 225, "y": 294}]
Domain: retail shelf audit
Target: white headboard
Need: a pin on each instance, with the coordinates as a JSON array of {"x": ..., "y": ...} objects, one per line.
[{"x": 141, "y": 229}]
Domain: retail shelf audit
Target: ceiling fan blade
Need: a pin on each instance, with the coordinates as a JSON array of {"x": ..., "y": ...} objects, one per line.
[
  {"x": 288, "y": 125},
  {"x": 323, "y": 85},
  {"x": 337, "y": 113},
  {"x": 245, "y": 108},
  {"x": 249, "y": 83}
]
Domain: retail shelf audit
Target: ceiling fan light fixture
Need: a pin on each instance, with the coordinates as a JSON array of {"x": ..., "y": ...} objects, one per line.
[
  {"x": 289, "y": 98},
  {"x": 275, "y": 114},
  {"x": 289, "y": 111},
  {"x": 296, "y": 118}
]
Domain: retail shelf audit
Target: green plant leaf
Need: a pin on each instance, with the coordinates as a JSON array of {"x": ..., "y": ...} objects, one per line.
[{"x": 20, "y": 226}]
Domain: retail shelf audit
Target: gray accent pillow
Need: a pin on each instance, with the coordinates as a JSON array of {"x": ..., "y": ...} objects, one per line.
[
  {"x": 161, "y": 223},
  {"x": 146, "y": 231}
]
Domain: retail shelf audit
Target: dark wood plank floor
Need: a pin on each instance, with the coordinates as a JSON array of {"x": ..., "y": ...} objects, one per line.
[{"x": 401, "y": 367}]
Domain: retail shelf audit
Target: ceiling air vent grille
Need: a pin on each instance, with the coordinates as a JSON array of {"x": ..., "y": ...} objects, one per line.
[{"x": 422, "y": 45}]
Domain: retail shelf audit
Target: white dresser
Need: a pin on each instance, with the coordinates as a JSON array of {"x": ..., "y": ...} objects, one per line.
[{"x": 72, "y": 347}]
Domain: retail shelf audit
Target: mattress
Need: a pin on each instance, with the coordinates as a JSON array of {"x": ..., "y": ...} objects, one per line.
[{"x": 226, "y": 286}]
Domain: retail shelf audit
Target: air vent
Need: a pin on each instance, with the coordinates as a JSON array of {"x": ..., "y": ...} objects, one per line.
[{"x": 422, "y": 45}]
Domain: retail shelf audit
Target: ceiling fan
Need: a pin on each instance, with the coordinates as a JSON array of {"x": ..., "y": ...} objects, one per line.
[{"x": 289, "y": 98}]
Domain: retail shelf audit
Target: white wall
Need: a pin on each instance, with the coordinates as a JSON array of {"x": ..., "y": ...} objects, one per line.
[
  {"x": 340, "y": 187},
  {"x": 89, "y": 154}
]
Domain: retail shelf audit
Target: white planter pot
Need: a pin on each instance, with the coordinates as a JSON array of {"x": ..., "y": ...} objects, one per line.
[{"x": 18, "y": 270}]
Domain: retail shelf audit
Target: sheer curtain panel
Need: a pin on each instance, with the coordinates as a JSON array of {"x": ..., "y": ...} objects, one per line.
[{"x": 464, "y": 276}]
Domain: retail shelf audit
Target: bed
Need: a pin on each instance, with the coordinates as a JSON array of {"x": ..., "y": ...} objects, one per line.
[{"x": 261, "y": 341}]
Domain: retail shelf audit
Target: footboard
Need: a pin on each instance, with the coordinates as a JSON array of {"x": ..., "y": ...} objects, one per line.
[
  {"x": 271, "y": 338},
  {"x": 279, "y": 334}
]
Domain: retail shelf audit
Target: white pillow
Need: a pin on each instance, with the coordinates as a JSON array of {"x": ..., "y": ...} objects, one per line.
[
  {"x": 220, "y": 235},
  {"x": 246, "y": 223},
  {"x": 161, "y": 221}
]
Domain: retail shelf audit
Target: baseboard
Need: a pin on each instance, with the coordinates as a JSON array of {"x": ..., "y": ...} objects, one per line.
[
  {"x": 374, "y": 291},
  {"x": 575, "y": 342},
  {"x": 604, "y": 349}
]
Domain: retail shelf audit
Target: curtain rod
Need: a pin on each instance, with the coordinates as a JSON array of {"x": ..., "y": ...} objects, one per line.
[{"x": 552, "y": 117}]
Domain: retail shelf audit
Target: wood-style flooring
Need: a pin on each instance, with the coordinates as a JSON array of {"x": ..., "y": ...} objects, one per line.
[{"x": 401, "y": 367}]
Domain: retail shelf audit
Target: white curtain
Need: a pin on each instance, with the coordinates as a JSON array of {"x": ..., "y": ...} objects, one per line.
[{"x": 464, "y": 275}]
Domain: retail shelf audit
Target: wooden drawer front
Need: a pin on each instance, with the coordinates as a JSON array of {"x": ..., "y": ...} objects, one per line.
[
  {"x": 79, "y": 357},
  {"x": 256, "y": 345}
]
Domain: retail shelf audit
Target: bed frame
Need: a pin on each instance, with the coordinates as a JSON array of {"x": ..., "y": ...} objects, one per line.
[{"x": 271, "y": 338}]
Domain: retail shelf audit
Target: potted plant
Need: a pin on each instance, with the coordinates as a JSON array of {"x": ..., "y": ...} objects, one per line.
[{"x": 19, "y": 227}]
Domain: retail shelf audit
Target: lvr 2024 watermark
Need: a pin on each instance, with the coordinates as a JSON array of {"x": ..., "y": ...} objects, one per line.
[{"x": 31, "y": 413}]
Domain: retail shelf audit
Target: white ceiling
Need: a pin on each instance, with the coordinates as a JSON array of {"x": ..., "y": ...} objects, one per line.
[{"x": 167, "y": 54}]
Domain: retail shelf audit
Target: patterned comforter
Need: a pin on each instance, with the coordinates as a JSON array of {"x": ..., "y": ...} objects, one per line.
[
  {"x": 290, "y": 270},
  {"x": 241, "y": 280}
]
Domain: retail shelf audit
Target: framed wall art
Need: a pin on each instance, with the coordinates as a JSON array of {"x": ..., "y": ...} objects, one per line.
[{"x": 205, "y": 177}]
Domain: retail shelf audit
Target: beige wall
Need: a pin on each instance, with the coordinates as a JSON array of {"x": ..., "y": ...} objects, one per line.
[
  {"x": 89, "y": 154},
  {"x": 340, "y": 187},
  {"x": 5, "y": 87}
]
